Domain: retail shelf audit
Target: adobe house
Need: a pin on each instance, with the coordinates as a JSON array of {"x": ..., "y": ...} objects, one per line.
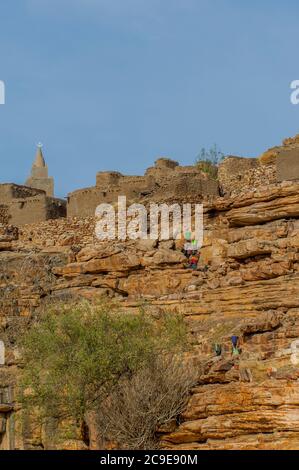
[
  {"x": 166, "y": 179},
  {"x": 21, "y": 205}
]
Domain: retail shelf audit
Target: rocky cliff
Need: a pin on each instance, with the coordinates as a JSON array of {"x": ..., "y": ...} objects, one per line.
[{"x": 247, "y": 284}]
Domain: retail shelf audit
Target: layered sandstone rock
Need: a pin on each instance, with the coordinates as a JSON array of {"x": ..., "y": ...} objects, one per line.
[{"x": 247, "y": 284}]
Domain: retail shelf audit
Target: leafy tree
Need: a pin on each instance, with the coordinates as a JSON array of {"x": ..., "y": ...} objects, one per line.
[{"x": 76, "y": 354}]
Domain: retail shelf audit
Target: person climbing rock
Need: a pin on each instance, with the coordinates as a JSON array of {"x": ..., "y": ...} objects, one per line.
[
  {"x": 235, "y": 349},
  {"x": 193, "y": 260},
  {"x": 187, "y": 247},
  {"x": 217, "y": 349}
]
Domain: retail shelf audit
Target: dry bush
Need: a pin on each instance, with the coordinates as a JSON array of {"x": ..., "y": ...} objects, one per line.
[{"x": 153, "y": 396}]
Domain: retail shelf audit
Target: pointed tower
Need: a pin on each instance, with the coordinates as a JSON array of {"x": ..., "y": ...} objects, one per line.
[{"x": 39, "y": 178}]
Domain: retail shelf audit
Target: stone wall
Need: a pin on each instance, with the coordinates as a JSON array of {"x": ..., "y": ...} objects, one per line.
[
  {"x": 106, "y": 178},
  {"x": 288, "y": 165},
  {"x": 4, "y": 214},
  {"x": 231, "y": 172},
  {"x": 252, "y": 179},
  {"x": 9, "y": 191},
  {"x": 24, "y": 205},
  {"x": 134, "y": 187},
  {"x": 35, "y": 209},
  {"x": 84, "y": 201}
]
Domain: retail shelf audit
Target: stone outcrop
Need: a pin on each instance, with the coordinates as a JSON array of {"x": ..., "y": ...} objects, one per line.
[{"x": 247, "y": 284}]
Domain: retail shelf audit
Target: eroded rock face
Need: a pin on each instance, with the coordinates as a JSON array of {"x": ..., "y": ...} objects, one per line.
[{"x": 247, "y": 284}]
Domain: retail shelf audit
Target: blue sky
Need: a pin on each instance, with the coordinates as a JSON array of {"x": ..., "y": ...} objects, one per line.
[{"x": 113, "y": 84}]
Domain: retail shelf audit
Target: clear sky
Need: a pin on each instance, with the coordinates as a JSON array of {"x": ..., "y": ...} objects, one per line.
[{"x": 113, "y": 84}]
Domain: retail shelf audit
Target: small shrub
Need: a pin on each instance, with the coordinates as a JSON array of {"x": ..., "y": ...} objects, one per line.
[{"x": 208, "y": 160}]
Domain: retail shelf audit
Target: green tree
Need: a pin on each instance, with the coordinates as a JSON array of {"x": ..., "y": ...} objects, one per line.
[{"x": 75, "y": 354}]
